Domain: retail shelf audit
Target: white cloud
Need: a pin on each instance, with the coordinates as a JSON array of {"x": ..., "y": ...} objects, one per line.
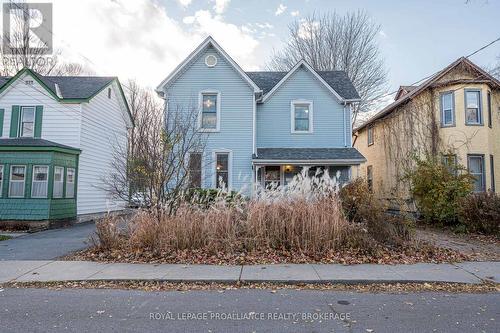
[
  {"x": 138, "y": 39},
  {"x": 221, "y": 5},
  {"x": 280, "y": 10},
  {"x": 265, "y": 25},
  {"x": 295, "y": 13},
  {"x": 184, "y": 3}
]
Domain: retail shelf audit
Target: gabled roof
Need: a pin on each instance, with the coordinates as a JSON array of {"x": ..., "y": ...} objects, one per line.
[
  {"x": 337, "y": 80},
  {"x": 482, "y": 74},
  {"x": 209, "y": 41},
  {"x": 331, "y": 80},
  {"x": 69, "y": 89},
  {"x": 403, "y": 90}
]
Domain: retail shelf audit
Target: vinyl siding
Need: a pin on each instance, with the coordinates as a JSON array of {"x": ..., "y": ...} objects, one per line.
[
  {"x": 274, "y": 116},
  {"x": 60, "y": 123},
  {"x": 103, "y": 132},
  {"x": 236, "y": 107}
]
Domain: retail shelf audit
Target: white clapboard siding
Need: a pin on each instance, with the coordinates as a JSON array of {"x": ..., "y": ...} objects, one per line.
[
  {"x": 103, "y": 131},
  {"x": 61, "y": 122}
]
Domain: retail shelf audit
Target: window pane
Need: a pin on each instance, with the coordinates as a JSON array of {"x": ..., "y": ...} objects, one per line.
[
  {"x": 209, "y": 120},
  {"x": 71, "y": 175},
  {"x": 472, "y": 115},
  {"x": 28, "y": 114},
  {"x": 58, "y": 182},
  {"x": 27, "y": 129},
  {"x": 70, "y": 183},
  {"x": 475, "y": 165},
  {"x": 1, "y": 177},
  {"x": 302, "y": 111},
  {"x": 16, "y": 189},
  {"x": 222, "y": 181},
  {"x": 210, "y": 103},
  {"x": 222, "y": 162},
  {"x": 272, "y": 176},
  {"x": 301, "y": 124},
  {"x": 40, "y": 173},
  {"x": 472, "y": 98},
  {"x": 18, "y": 173},
  {"x": 448, "y": 116},
  {"x": 447, "y": 101}
]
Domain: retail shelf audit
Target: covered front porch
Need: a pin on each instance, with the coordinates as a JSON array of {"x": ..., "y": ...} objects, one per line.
[{"x": 275, "y": 167}]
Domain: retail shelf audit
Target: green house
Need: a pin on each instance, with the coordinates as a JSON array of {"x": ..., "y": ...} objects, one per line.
[{"x": 38, "y": 181}]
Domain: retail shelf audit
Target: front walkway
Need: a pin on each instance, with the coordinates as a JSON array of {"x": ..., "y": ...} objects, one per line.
[
  {"x": 46, "y": 271},
  {"x": 48, "y": 244}
]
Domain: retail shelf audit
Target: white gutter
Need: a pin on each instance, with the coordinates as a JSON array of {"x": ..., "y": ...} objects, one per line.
[{"x": 345, "y": 128}]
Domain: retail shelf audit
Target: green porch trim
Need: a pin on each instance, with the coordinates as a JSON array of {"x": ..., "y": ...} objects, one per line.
[{"x": 73, "y": 151}]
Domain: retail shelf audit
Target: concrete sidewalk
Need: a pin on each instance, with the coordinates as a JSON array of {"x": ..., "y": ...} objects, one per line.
[{"x": 467, "y": 272}]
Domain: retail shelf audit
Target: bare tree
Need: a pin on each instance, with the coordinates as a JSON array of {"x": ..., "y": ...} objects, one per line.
[
  {"x": 495, "y": 71},
  {"x": 27, "y": 50},
  {"x": 334, "y": 42},
  {"x": 154, "y": 168}
]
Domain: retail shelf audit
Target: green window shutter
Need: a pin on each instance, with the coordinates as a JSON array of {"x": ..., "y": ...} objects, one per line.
[
  {"x": 14, "y": 121},
  {"x": 1, "y": 123},
  {"x": 38, "y": 121}
]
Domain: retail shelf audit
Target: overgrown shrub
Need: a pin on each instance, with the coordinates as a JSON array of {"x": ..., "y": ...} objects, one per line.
[
  {"x": 438, "y": 190},
  {"x": 356, "y": 199},
  {"x": 480, "y": 212},
  {"x": 207, "y": 197},
  {"x": 360, "y": 206}
]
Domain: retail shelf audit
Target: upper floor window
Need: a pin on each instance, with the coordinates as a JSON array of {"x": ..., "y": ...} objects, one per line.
[
  {"x": 209, "y": 111},
  {"x": 302, "y": 117},
  {"x": 40, "y": 181},
  {"x": 28, "y": 121},
  {"x": 447, "y": 109},
  {"x": 475, "y": 165},
  {"x": 490, "y": 115},
  {"x": 473, "y": 114},
  {"x": 17, "y": 181},
  {"x": 109, "y": 92},
  {"x": 370, "y": 135}
]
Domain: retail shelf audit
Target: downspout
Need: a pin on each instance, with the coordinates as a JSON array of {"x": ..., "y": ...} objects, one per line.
[{"x": 254, "y": 121}]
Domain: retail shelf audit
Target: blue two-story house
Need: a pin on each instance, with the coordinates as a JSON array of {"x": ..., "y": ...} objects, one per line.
[{"x": 262, "y": 127}]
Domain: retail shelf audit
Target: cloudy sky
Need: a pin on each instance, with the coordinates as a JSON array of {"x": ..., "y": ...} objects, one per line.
[{"x": 146, "y": 39}]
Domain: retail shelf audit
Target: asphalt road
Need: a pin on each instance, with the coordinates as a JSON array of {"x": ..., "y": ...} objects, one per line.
[
  {"x": 87, "y": 310},
  {"x": 47, "y": 245}
]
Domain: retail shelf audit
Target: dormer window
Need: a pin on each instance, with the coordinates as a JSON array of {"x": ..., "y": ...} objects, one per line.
[{"x": 301, "y": 116}]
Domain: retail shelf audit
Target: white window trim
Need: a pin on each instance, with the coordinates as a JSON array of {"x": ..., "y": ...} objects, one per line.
[
  {"x": 17, "y": 181},
  {"x": 206, "y": 60},
  {"x": 54, "y": 183},
  {"x": 21, "y": 113},
  {"x": 33, "y": 181},
  {"x": 229, "y": 167},
  {"x": 217, "y": 113},
  {"x": 292, "y": 116},
  {"x": 2, "y": 168},
  {"x": 67, "y": 183}
]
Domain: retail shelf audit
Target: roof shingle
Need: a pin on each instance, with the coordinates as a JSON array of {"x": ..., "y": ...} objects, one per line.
[{"x": 302, "y": 154}]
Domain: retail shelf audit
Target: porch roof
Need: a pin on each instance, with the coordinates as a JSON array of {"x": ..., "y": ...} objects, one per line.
[
  {"x": 345, "y": 156},
  {"x": 35, "y": 144}
]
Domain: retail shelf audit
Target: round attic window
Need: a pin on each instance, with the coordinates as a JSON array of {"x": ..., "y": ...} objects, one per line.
[{"x": 210, "y": 60}]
